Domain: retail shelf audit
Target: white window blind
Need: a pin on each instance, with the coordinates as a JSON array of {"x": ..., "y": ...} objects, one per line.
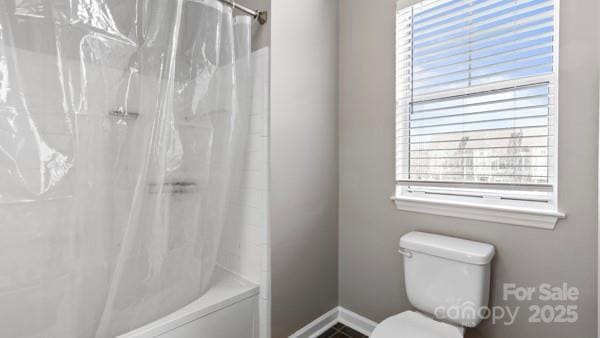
[{"x": 475, "y": 87}]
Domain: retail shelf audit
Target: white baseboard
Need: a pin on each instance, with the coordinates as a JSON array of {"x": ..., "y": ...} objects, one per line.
[
  {"x": 356, "y": 321},
  {"x": 329, "y": 319},
  {"x": 318, "y": 326}
]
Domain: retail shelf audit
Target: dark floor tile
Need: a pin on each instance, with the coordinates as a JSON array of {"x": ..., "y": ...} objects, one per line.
[
  {"x": 340, "y": 330},
  {"x": 339, "y": 326},
  {"x": 339, "y": 334},
  {"x": 328, "y": 333},
  {"x": 352, "y": 333}
]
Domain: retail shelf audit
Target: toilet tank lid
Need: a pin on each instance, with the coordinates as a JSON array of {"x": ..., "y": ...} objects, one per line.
[{"x": 453, "y": 248}]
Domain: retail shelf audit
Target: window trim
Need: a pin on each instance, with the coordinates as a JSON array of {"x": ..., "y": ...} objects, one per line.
[
  {"x": 485, "y": 209},
  {"x": 513, "y": 215}
]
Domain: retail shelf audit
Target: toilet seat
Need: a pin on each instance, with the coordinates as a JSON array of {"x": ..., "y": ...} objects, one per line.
[{"x": 410, "y": 324}]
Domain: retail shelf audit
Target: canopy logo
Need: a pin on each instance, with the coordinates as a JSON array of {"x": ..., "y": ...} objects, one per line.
[{"x": 564, "y": 311}]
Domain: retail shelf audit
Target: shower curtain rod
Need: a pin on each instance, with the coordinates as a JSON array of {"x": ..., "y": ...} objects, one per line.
[{"x": 260, "y": 16}]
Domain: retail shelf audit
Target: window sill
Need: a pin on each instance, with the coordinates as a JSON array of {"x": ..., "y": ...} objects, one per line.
[{"x": 544, "y": 219}]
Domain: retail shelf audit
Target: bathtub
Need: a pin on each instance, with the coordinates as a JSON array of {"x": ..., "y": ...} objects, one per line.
[{"x": 229, "y": 309}]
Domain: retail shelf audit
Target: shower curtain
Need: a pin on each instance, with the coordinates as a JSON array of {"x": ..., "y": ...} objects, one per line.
[{"x": 122, "y": 124}]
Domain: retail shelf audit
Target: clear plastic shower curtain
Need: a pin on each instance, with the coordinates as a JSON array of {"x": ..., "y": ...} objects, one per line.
[{"x": 121, "y": 128}]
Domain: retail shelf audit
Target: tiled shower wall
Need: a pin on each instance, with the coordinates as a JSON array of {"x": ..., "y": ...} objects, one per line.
[{"x": 245, "y": 240}]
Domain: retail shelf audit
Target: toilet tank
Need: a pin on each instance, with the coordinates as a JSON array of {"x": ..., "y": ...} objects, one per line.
[{"x": 447, "y": 277}]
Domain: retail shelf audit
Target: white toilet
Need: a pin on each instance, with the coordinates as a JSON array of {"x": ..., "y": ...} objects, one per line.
[{"x": 448, "y": 280}]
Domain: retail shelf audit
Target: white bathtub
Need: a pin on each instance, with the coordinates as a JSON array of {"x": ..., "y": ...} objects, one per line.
[{"x": 229, "y": 309}]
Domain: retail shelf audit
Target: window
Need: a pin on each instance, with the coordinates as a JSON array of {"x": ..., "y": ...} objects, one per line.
[{"x": 476, "y": 106}]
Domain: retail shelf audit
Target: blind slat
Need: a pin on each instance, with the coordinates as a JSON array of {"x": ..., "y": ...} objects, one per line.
[
  {"x": 482, "y": 174},
  {"x": 481, "y": 130},
  {"x": 481, "y": 157},
  {"x": 477, "y": 185},
  {"x": 543, "y": 137},
  {"x": 478, "y": 148},
  {"x": 476, "y": 121}
]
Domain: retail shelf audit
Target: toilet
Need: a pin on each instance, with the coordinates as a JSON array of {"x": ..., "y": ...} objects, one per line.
[{"x": 447, "y": 280}]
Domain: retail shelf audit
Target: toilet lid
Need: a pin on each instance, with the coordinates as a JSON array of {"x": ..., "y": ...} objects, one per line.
[{"x": 411, "y": 324}]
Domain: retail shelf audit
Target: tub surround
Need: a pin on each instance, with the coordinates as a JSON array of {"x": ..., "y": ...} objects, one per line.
[{"x": 227, "y": 289}]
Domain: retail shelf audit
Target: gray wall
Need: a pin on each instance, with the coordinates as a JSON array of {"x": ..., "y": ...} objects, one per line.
[
  {"x": 371, "y": 275},
  {"x": 304, "y": 170}
]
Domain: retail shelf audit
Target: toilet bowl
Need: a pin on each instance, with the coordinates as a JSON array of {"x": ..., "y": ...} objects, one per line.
[
  {"x": 411, "y": 324},
  {"x": 447, "y": 280}
]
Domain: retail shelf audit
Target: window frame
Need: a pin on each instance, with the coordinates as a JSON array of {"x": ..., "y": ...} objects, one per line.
[{"x": 485, "y": 206}]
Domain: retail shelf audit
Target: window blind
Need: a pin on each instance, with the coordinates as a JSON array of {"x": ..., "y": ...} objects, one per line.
[{"x": 475, "y": 95}]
